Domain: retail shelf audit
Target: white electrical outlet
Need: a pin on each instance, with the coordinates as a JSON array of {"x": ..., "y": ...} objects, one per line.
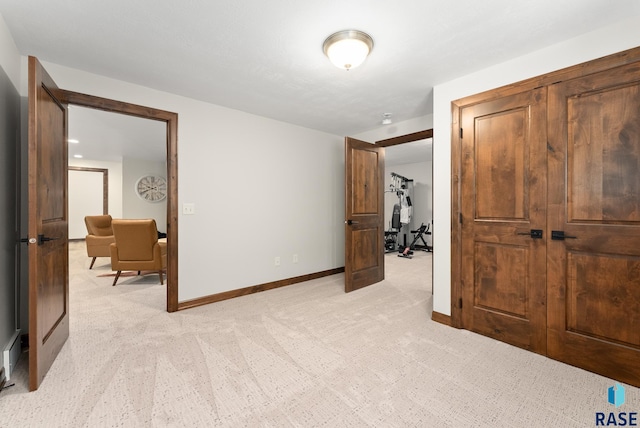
[
  {"x": 295, "y": 258},
  {"x": 276, "y": 261}
]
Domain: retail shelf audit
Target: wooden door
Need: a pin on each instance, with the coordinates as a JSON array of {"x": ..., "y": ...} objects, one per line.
[
  {"x": 364, "y": 214},
  {"x": 503, "y": 197},
  {"x": 48, "y": 244},
  {"x": 594, "y": 273}
]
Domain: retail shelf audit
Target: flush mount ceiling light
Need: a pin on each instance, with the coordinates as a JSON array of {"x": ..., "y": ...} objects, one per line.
[
  {"x": 347, "y": 49},
  {"x": 386, "y": 119}
]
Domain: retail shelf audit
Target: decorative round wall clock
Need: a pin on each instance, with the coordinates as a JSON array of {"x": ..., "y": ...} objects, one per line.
[{"x": 151, "y": 188}]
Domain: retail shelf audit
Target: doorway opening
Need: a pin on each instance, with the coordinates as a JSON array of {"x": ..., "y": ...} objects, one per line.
[
  {"x": 408, "y": 202},
  {"x": 107, "y": 153},
  {"x": 145, "y": 153}
]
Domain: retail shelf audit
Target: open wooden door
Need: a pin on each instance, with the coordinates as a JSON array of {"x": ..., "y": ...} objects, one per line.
[
  {"x": 594, "y": 255},
  {"x": 48, "y": 229},
  {"x": 364, "y": 214}
]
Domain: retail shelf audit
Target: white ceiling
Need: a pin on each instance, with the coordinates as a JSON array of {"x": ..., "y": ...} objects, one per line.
[
  {"x": 265, "y": 57},
  {"x": 111, "y": 136}
]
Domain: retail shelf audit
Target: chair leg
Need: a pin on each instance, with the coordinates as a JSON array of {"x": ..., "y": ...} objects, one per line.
[
  {"x": 161, "y": 279},
  {"x": 92, "y": 262},
  {"x": 116, "y": 279},
  {"x": 138, "y": 272}
]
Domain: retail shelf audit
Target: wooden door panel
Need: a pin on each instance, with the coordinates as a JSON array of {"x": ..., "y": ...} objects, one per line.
[
  {"x": 593, "y": 283},
  {"x": 501, "y": 278},
  {"x": 363, "y": 174},
  {"x": 48, "y": 228},
  {"x": 364, "y": 241},
  {"x": 503, "y": 195},
  {"x": 604, "y": 297},
  {"x": 501, "y": 165},
  {"x": 604, "y": 155},
  {"x": 597, "y": 356},
  {"x": 364, "y": 214}
]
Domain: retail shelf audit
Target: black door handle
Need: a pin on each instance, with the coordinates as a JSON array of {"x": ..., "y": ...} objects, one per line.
[
  {"x": 558, "y": 235},
  {"x": 42, "y": 239},
  {"x": 533, "y": 233}
]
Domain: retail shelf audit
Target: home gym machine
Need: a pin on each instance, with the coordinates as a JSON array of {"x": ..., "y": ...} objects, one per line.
[
  {"x": 402, "y": 187},
  {"x": 400, "y": 222}
]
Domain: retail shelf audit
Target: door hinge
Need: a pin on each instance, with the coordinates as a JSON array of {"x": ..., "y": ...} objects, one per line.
[
  {"x": 460, "y": 132},
  {"x": 460, "y": 303},
  {"x": 460, "y": 217}
]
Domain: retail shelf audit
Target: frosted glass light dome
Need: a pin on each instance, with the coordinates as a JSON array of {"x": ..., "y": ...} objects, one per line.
[{"x": 348, "y": 49}]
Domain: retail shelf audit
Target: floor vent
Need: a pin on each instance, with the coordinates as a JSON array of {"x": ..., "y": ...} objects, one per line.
[{"x": 11, "y": 354}]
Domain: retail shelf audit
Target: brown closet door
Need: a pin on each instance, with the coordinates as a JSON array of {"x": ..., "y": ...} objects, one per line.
[
  {"x": 594, "y": 273},
  {"x": 503, "y": 198}
]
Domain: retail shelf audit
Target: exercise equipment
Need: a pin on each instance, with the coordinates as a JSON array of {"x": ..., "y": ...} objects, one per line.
[
  {"x": 417, "y": 236},
  {"x": 402, "y": 187},
  {"x": 407, "y": 251},
  {"x": 391, "y": 235}
]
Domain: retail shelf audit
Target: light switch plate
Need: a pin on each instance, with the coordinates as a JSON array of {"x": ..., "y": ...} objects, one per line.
[{"x": 188, "y": 209}]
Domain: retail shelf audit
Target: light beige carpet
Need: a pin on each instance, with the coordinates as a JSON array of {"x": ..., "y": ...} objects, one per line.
[{"x": 305, "y": 355}]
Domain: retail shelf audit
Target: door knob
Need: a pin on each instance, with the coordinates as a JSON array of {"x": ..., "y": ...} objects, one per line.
[
  {"x": 42, "y": 239},
  {"x": 558, "y": 235},
  {"x": 533, "y": 233}
]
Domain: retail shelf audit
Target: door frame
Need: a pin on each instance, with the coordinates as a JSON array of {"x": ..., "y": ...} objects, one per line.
[
  {"x": 405, "y": 139},
  {"x": 410, "y": 138},
  {"x": 579, "y": 70},
  {"x": 171, "y": 120}
]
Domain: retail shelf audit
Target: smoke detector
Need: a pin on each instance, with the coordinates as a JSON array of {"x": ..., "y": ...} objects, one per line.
[{"x": 386, "y": 119}]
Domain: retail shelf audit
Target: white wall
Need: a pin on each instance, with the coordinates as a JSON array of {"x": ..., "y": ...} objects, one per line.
[
  {"x": 84, "y": 197},
  {"x": 9, "y": 55},
  {"x": 621, "y": 36},
  {"x": 132, "y": 205},
  {"x": 115, "y": 182},
  {"x": 280, "y": 185}
]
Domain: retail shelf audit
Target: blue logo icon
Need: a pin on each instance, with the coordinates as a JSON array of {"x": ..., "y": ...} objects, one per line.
[{"x": 616, "y": 395}]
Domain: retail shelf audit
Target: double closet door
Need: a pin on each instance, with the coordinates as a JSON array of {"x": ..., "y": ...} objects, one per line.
[{"x": 550, "y": 220}]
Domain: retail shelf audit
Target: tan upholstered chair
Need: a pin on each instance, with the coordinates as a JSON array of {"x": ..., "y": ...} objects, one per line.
[
  {"x": 100, "y": 236},
  {"x": 137, "y": 247}
]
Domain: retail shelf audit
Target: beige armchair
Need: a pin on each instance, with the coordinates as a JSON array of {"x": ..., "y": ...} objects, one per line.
[
  {"x": 100, "y": 236},
  {"x": 137, "y": 247}
]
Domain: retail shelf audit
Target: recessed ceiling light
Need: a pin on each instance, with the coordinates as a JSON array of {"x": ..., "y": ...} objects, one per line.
[
  {"x": 77, "y": 156},
  {"x": 73, "y": 141}
]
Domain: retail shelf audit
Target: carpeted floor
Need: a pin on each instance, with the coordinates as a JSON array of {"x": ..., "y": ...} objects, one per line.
[{"x": 306, "y": 355}]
